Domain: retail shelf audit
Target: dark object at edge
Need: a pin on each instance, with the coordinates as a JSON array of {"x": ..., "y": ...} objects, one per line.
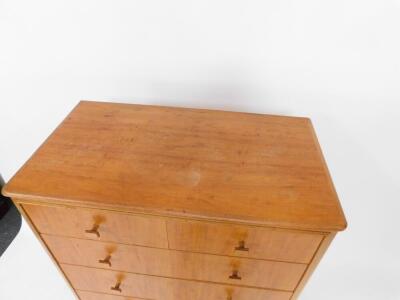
[{"x": 10, "y": 221}]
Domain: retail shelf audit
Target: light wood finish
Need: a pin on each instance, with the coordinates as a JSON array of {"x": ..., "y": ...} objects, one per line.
[
  {"x": 264, "y": 243},
  {"x": 112, "y": 227},
  {"x": 253, "y": 168},
  {"x": 36, "y": 233},
  {"x": 162, "y": 203},
  {"x": 84, "y": 295},
  {"x": 153, "y": 287},
  {"x": 311, "y": 267},
  {"x": 176, "y": 264}
]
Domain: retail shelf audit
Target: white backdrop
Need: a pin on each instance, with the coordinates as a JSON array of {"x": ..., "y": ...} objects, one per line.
[{"x": 337, "y": 62}]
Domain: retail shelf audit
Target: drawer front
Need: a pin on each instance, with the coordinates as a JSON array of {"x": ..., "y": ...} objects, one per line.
[
  {"x": 152, "y": 287},
  {"x": 83, "y": 295},
  {"x": 244, "y": 241},
  {"x": 98, "y": 225},
  {"x": 176, "y": 264}
]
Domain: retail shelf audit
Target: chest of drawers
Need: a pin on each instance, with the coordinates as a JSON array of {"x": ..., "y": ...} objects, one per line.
[{"x": 148, "y": 202}]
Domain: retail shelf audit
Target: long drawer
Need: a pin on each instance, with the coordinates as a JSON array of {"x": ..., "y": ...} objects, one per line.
[
  {"x": 159, "y": 288},
  {"x": 243, "y": 241},
  {"x": 98, "y": 225},
  {"x": 177, "y": 264}
]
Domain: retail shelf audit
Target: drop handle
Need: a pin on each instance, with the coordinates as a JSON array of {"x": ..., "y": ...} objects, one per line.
[
  {"x": 117, "y": 287},
  {"x": 94, "y": 230},
  {"x": 235, "y": 275},
  {"x": 242, "y": 246},
  {"x": 106, "y": 261}
]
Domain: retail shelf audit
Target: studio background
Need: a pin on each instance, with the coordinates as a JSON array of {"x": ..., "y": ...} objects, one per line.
[{"x": 336, "y": 62}]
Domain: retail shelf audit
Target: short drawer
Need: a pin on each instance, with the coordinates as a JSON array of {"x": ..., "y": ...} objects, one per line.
[
  {"x": 98, "y": 225},
  {"x": 159, "y": 288},
  {"x": 176, "y": 264},
  {"x": 243, "y": 241},
  {"x": 83, "y": 295}
]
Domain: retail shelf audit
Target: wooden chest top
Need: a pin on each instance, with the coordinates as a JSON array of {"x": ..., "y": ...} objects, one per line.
[{"x": 228, "y": 166}]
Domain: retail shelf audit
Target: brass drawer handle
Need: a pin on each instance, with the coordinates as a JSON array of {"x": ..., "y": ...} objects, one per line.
[
  {"x": 117, "y": 287},
  {"x": 94, "y": 230},
  {"x": 106, "y": 261},
  {"x": 235, "y": 275},
  {"x": 241, "y": 246}
]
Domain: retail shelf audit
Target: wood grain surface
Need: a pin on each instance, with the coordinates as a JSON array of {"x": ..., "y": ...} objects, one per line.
[
  {"x": 152, "y": 287},
  {"x": 253, "y": 168},
  {"x": 111, "y": 226},
  {"x": 176, "y": 264},
  {"x": 262, "y": 243},
  {"x": 84, "y": 295}
]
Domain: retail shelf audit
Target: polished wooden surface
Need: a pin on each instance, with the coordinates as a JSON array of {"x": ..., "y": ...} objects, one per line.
[
  {"x": 152, "y": 287},
  {"x": 158, "y": 203},
  {"x": 313, "y": 265},
  {"x": 264, "y": 243},
  {"x": 48, "y": 251},
  {"x": 253, "y": 168},
  {"x": 113, "y": 227},
  {"x": 176, "y": 264},
  {"x": 84, "y": 295}
]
